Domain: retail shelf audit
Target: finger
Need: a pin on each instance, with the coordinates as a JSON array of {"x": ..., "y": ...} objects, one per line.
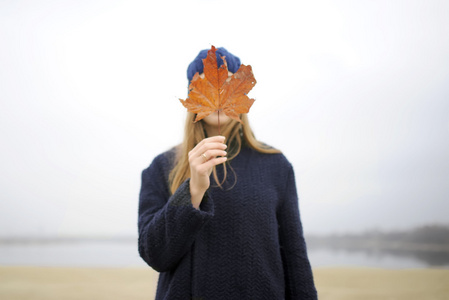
[
  {"x": 212, "y": 139},
  {"x": 219, "y": 138},
  {"x": 206, "y": 156},
  {"x": 203, "y": 154},
  {"x": 211, "y": 163},
  {"x": 210, "y": 154},
  {"x": 212, "y": 146},
  {"x": 200, "y": 149}
]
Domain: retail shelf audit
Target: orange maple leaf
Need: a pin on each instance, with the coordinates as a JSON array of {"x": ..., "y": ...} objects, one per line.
[{"x": 217, "y": 92}]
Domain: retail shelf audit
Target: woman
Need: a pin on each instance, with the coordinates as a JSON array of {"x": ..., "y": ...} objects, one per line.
[{"x": 219, "y": 216}]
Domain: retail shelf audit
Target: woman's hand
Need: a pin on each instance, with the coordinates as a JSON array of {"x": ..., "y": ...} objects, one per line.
[{"x": 202, "y": 159}]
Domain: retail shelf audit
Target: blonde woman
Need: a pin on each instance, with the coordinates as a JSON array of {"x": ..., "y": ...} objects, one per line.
[{"x": 219, "y": 215}]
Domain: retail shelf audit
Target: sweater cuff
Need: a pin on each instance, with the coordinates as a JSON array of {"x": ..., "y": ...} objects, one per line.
[{"x": 182, "y": 198}]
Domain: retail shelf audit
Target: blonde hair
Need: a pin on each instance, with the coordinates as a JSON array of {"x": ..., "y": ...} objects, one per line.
[{"x": 236, "y": 134}]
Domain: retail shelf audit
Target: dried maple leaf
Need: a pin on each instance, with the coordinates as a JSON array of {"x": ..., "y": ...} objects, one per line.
[{"x": 217, "y": 92}]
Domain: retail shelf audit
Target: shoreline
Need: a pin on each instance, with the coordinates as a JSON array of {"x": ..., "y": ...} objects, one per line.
[{"x": 333, "y": 283}]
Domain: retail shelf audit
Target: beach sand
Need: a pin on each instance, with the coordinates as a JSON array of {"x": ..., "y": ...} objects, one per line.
[{"x": 140, "y": 283}]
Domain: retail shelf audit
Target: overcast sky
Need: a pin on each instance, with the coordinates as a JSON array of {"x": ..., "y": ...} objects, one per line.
[{"x": 355, "y": 93}]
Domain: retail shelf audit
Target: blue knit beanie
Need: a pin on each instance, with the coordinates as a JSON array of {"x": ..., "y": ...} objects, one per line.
[{"x": 197, "y": 64}]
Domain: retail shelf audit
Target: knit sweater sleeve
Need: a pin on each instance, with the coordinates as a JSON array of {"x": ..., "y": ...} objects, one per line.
[
  {"x": 299, "y": 283},
  {"x": 167, "y": 224}
]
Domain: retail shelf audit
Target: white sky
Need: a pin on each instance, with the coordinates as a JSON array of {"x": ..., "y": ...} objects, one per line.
[{"x": 355, "y": 93}]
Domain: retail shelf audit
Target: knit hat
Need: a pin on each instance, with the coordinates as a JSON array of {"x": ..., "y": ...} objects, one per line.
[{"x": 197, "y": 64}]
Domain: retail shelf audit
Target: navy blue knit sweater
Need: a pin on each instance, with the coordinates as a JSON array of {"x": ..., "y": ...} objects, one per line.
[{"x": 243, "y": 243}]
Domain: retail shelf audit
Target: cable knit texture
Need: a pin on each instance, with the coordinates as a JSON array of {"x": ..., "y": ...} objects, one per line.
[{"x": 243, "y": 243}]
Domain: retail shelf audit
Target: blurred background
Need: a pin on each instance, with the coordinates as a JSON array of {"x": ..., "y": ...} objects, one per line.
[{"x": 355, "y": 93}]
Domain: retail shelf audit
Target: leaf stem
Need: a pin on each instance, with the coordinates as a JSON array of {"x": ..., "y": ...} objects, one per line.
[{"x": 219, "y": 132}]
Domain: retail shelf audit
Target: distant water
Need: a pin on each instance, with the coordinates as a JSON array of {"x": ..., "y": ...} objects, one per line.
[
  {"x": 125, "y": 254},
  {"x": 332, "y": 258},
  {"x": 72, "y": 254}
]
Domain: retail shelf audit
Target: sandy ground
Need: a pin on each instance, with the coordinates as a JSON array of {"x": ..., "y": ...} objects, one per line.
[{"x": 126, "y": 283}]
